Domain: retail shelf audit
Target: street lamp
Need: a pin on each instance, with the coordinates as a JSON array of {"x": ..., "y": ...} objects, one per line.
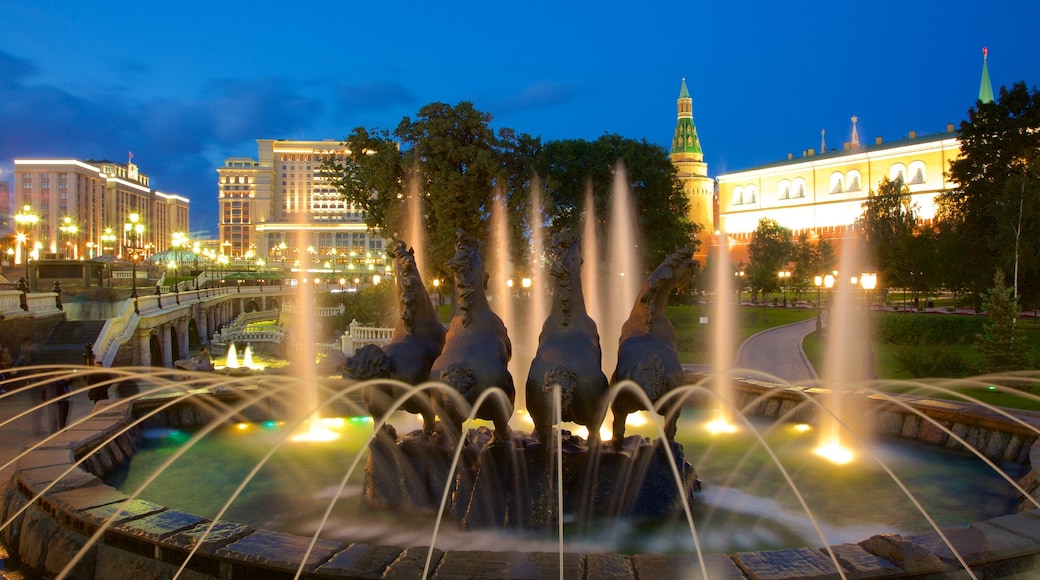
[
  {"x": 869, "y": 282},
  {"x": 133, "y": 231},
  {"x": 818, "y": 282},
  {"x": 109, "y": 238},
  {"x": 68, "y": 230},
  {"x": 785, "y": 277},
  {"x": 437, "y": 289},
  {"x": 739, "y": 275},
  {"x": 26, "y": 220}
]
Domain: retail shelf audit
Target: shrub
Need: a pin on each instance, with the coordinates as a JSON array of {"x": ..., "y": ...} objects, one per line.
[
  {"x": 929, "y": 361},
  {"x": 926, "y": 329}
]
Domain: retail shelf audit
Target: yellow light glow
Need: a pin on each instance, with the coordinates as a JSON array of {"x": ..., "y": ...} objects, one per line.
[
  {"x": 318, "y": 430},
  {"x": 835, "y": 452},
  {"x": 242, "y": 426},
  {"x": 637, "y": 419},
  {"x": 720, "y": 426},
  {"x": 803, "y": 427}
]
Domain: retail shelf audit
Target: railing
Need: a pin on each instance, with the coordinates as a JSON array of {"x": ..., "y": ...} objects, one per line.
[
  {"x": 120, "y": 274},
  {"x": 36, "y": 304},
  {"x": 289, "y": 308},
  {"x": 362, "y": 335}
]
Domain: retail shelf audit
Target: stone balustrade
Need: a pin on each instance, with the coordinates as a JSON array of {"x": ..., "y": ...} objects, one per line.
[
  {"x": 358, "y": 336},
  {"x": 290, "y": 308}
]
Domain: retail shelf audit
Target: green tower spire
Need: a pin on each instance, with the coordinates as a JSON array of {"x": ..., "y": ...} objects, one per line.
[
  {"x": 685, "y": 139},
  {"x": 985, "y": 89}
]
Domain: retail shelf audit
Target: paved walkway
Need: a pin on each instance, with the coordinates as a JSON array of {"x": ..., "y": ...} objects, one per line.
[
  {"x": 777, "y": 352},
  {"x": 19, "y": 434}
]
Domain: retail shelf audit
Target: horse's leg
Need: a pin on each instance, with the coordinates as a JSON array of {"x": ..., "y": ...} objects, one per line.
[
  {"x": 619, "y": 425},
  {"x": 670, "y": 420}
]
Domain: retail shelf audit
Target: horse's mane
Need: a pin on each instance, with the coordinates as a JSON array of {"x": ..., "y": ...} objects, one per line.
[{"x": 662, "y": 281}]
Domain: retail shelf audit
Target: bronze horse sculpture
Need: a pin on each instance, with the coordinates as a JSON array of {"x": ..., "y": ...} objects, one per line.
[
  {"x": 646, "y": 353},
  {"x": 569, "y": 352},
  {"x": 476, "y": 348},
  {"x": 416, "y": 342}
]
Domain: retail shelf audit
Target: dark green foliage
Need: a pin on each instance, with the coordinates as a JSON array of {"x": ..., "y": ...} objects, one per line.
[
  {"x": 373, "y": 306},
  {"x": 769, "y": 251},
  {"x": 993, "y": 219},
  {"x": 932, "y": 361},
  {"x": 925, "y": 329},
  {"x": 1002, "y": 342}
]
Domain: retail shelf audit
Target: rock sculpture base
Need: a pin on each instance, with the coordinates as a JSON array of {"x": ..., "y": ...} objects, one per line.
[{"x": 514, "y": 484}]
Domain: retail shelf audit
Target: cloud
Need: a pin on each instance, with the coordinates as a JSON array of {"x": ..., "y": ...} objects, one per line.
[
  {"x": 248, "y": 109},
  {"x": 14, "y": 69},
  {"x": 373, "y": 96},
  {"x": 539, "y": 95}
]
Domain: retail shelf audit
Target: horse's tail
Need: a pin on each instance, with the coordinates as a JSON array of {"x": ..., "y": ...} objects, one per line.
[
  {"x": 566, "y": 378},
  {"x": 369, "y": 362},
  {"x": 651, "y": 376}
]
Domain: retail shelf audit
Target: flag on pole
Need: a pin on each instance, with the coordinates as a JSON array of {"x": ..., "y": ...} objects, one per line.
[{"x": 131, "y": 154}]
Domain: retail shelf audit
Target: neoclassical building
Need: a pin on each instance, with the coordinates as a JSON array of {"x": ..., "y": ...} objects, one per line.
[
  {"x": 820, "y": 193},
  {"x": 80, "y": 207}
]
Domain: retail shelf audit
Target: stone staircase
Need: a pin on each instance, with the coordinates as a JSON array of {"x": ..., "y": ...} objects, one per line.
[{"x": 66, "y": 344}]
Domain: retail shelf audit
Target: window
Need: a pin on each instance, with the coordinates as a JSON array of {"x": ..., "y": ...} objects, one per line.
[
  {"x": 738, "y": 195},
  {"x": 853, "y": 181},
  {"x": 785, "y": 190},
  {"x": 752, "y": 193},
  {"x": 837, "y": 183},
  {"x": 917, "y": 174},
  {"x": 897, "y": 172},
  {"x": 799, "y": 188}
]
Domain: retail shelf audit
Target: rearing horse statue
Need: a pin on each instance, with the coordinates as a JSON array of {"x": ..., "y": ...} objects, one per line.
[
  {"x": 416, "y": 342},
  {"x": 647, "y": 352},
  {"x": 569, "y": 353},
  {"x": 476, "y": 349}
]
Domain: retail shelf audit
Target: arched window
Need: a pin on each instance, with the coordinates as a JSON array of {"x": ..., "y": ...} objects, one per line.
[
  {"x": 784, "y": 191},
  {"x": 837, "y": 183},
  {"x": 799, "y": 188},
  {"x": 897, "y": 172},
  {"x": 917, "y": 173},
  {"x": 751, "y": 195},
  {"x": 738, "y": 195},
  {"x": 853, "y": 180}
]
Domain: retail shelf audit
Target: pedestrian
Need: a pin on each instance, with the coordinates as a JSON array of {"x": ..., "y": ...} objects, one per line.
[
  {"x": 27, "y": 357},
  {"x": 102, "y": 382},
  {"x": 58, "y": 411}
]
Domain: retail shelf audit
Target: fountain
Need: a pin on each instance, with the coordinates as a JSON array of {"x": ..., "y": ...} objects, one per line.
[{"x": 62, "y": 520}]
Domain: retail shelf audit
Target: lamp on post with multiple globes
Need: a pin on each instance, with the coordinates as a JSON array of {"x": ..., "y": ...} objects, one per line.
[
  {"x": 818, "y": 282},
  {"x": 68, "y": 230},
  {"x": 133, "y": 229},
  {"x": 25, "y": 220},
  {"x": 868, "y": 281}
]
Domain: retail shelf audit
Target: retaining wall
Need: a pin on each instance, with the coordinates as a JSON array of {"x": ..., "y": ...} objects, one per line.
[{"x": 57, "y": 503}]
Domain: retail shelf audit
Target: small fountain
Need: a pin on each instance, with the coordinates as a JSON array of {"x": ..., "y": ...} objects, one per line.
[{"x": 231, "y": 361}]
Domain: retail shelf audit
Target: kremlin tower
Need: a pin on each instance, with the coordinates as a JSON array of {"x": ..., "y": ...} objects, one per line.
[{"x": 688, "y": 159}]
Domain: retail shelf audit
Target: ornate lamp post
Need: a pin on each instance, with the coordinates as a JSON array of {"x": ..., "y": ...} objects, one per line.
[
  {"x": 437, "y": 289},
  {"x": 739, "y": 275},
  {"x": 785, "y": 277},
  {"x": 26, "y": 220},
  {"x": 133, "y": 230},
  {"x": 818, "y": 281},
  {"x": 69, "y": 230},
  {"x": 869, "y": 282}
]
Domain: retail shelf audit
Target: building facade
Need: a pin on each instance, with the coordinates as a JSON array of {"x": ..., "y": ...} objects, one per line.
[
  {"x": 688, "y": 158},
  {"x": 281, "y": 209},
  {"x": 79, "y": 208},
  {"x": 822, "y": 195}
]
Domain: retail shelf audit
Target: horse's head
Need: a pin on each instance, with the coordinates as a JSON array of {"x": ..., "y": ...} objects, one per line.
[
  {"x": 466, "y": 264},
  {"x": 403, "y": 256},
  {"x": 683, "y": 266},
  {"x": 566, "y": 258}
]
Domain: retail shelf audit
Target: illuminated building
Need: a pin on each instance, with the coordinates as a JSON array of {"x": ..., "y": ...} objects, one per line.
[
  {"x": 688, "y": 158},
  {"x": 93, "y": 196},
  {"x": 267, "y": 203},
  {"x": 821, "y": 194}
]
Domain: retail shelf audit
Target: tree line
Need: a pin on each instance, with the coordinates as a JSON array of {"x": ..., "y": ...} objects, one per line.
[{"x": 452, "y": 162}]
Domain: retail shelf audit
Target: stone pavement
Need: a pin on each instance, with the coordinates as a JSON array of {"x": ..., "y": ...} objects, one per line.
[
  {"x": 17, "y": 435},
  {"x": 777, "y": 352}
]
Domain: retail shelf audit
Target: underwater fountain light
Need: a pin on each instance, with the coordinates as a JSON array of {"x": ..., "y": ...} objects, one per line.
[
  {"x": 319, "y": 430},
  {"x": 720, "y": 426},
  {"x": 835, "y": 452}
]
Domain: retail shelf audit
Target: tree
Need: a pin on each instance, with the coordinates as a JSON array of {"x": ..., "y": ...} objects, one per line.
[
  {"x": 570, "y": 168},
  {"x": 994, "y": 209},
  {"x": 371, "y": 178},
  {"x": 887, "y": 223},
  {"x": 1002, "y": 343},
  {"x": 770, "y": 249},
  {"x": 811, "y": 260}
]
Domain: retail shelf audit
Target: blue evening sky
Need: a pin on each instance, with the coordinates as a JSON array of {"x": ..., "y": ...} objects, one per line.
[{"x": 186, "y": 84}]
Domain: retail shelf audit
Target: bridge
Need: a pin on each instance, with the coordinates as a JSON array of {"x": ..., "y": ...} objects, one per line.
[{"x": 157, "y": 329}]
